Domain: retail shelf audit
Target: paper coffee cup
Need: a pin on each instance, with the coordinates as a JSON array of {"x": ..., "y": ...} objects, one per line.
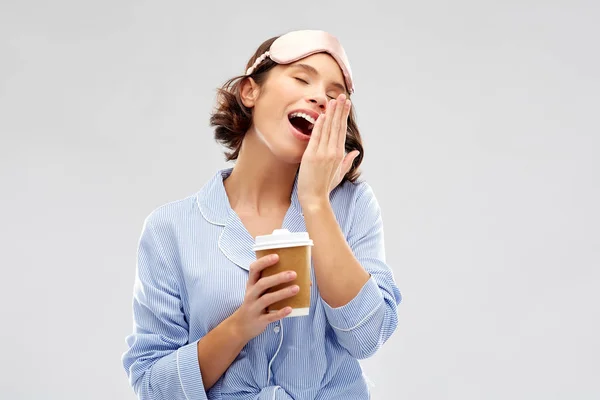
[{"x": 294, "y": 250}]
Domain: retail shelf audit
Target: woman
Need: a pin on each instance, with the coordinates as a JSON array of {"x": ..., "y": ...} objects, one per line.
[{"x": 201, "y": 329}]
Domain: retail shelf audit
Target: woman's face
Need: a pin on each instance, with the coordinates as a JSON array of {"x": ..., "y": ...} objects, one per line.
[{"x": 290, "y": 100}]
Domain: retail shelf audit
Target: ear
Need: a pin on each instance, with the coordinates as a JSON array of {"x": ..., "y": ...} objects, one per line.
[{"x": 249, "y": 91}]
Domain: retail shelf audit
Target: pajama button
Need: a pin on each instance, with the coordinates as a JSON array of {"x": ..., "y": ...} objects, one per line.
[{"x": 276, "y": 329}]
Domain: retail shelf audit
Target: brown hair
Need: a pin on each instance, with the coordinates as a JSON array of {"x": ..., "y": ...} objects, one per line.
[{"x": 231, "y": 119}]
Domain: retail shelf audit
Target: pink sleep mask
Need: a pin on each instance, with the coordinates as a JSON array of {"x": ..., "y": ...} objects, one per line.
[{"x": 296, "y": 45}]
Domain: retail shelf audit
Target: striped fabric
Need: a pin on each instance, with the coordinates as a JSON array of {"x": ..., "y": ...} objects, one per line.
[{"x": 192, "y": 267}]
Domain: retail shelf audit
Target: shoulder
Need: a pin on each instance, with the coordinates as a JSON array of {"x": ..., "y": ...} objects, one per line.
[
  {"x": 355, "y": 203},
  {"x": 183, "y": 209},
  {"x": 353, "y": 194},
  {"x": 171, "y": 211}
]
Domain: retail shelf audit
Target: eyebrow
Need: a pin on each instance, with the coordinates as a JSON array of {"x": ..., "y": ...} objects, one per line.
[{"x": 310, "y": 69}]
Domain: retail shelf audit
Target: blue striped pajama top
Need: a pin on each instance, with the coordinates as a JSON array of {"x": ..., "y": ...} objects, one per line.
[{"x": 192, "y": 267}]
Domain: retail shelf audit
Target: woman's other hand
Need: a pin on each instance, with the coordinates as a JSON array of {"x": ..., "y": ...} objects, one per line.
[{"x": 252, "y": 318}]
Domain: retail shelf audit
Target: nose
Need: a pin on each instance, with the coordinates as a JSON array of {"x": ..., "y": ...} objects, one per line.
[{"x": 319, "y": 99}]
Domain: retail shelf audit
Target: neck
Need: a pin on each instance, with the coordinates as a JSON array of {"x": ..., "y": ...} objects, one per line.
[{"x": 260, "y": 183}]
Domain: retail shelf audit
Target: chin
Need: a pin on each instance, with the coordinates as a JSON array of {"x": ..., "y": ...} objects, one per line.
[
  {"x": 285, "y": 147},
  {"x": 290, "y": 156}
]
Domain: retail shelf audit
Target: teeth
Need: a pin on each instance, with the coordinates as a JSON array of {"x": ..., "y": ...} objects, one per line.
[{"x": 305, "y": 116}]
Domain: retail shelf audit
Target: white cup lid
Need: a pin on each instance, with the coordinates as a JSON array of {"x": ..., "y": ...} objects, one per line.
[{"x": 281, "y": 238}]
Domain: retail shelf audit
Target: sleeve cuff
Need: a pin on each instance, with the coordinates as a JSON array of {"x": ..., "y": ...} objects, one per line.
[
  {"x": 189, "y": 373},
  {"x": 358, "y": 310}
]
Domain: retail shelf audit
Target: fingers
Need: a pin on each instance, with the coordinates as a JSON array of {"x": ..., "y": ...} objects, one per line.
[
  {"x": 336, "y": 122},
  {"x": 276, "y": 316},
  {"x": 326, "y": 131},
  {"x": 348, "y": 160},
  {"x": 315, "y": 135},
  {"x": 257, "y": 266},
  {"x": 270, "y": 298},
  {"x": 268, "y": 282},
  {"x": 341, "y": 140},
  {"x": 331, "y": 127}
]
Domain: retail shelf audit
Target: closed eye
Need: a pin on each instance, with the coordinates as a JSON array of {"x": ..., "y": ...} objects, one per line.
[{"x": 306, "y": 83}]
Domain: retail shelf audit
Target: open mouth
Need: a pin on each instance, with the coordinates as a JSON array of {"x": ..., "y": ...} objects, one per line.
[{"x": 302, "y": 122}]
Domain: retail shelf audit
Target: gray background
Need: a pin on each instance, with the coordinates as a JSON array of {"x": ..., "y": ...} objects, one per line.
[{"x": 480, "y": 122}]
